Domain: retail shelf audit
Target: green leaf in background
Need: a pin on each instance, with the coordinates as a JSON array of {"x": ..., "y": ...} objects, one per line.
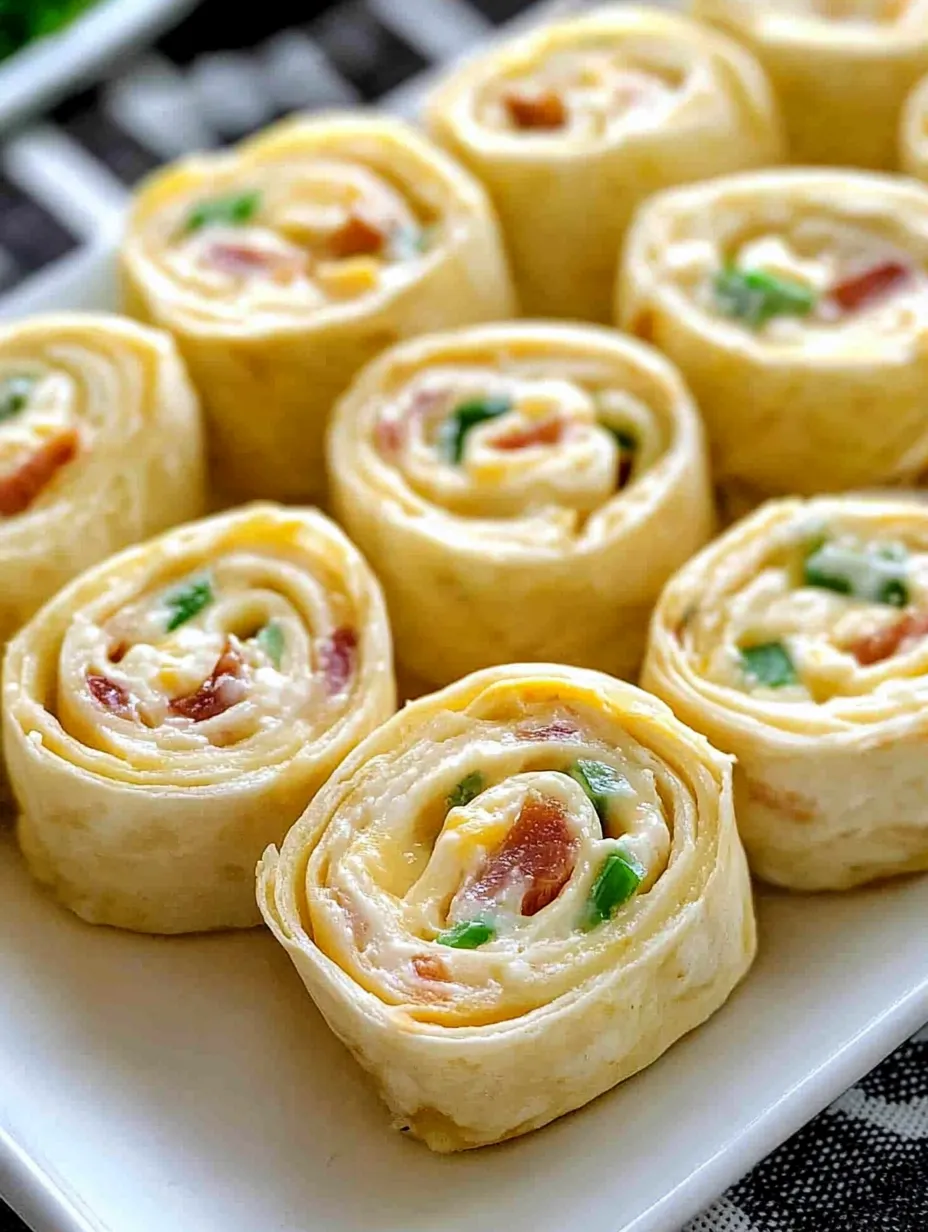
[{"x": 23, "y": 21}]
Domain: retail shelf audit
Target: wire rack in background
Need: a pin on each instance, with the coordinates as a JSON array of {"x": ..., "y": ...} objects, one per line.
[{"x": 219, "y": 75}]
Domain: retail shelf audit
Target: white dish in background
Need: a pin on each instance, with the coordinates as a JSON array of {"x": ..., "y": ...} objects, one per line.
[
  {"x": 43, "y": 71},
  {"x": 189, "y": 1083}
]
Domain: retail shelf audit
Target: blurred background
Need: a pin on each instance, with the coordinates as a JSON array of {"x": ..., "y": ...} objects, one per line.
[{"x": 124, "y": 85}]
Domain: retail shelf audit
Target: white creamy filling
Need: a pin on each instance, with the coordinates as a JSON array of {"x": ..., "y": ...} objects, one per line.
[
  {"x": 553, "y": 447},
  {"x": 818, "y": 627}
]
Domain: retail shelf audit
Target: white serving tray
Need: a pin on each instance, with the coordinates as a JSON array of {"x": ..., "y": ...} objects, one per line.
[
  {"x": 44, "y": 70},
  {"x": 189, "y": 1083}
]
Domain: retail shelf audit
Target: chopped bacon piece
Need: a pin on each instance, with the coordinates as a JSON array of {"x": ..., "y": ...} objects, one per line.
[
  {"x": 626, "y": 462},
  {"x": 109, "y": 694},
  {"x": 356, "y": 237},
  {"x": 548, "y": 432},
  {"x": 538, "y": 849},
  {"x": 243, "y": 261},
  {"x": 883, "y": 644},
  {"x": 337, "y": 656},
  {"x": 220, "y": 690},
  {"x": 20, "y": 488},
  {"x": 545, "y": 110},
  {"x": 872, "y": 284},
  {"x": 558, "y": 729},
  {"x": 390, "y": 434},
  {"x": 430, "y": 967}
]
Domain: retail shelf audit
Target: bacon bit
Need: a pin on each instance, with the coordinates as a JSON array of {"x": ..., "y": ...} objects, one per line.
[
  {"x": 337, "y": 656},
  {"x": 429, "y": 967},
  {"x": 548, "y": 432},
  {"x": 20, "y": 488},
  {"x": 626, "y": 462},
  {"x": 110, "y": 695},
  {"x": 220, "y": 690},
  {"x": 390, "y": 434},
  {"x": 542, "y": 111},
  {"x": 356, "y": 237},
  {"x": 874, "y": 283},
  {"x": 242, "y": 261},
  {"x": 883, "y": 644},
  {"x": 644, "y": 326},
  {"x": 559, "y": 729},
  {"x": 539, "y": 847}
]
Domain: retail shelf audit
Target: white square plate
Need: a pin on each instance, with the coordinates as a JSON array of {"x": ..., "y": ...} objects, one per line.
[{"x": 150, "y": 1084}]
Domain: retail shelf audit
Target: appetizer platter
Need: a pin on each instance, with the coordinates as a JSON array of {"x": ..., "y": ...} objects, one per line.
[{"x": 353, "y": 416}]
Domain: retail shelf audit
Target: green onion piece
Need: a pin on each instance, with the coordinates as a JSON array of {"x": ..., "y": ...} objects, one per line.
[
  {"x": 15, "y": 393},
  {"x": 271, "y": 641},
  {"x": 467, "y": 415},
  {"x": 877, "y": 574},
  {"x": 410, "y": 241},
  {"x": 600, "y": 782},
  {"x": 468, "y": 935},
  {"x": 231, "y": 211},
  {"x": 469, "y": 787},
  {"x": 753, "y": 296},
  {"x": 187, "y": 602},
  {"x": 623, "y": 439},
  {"x": 769, "y": 664},
  {"x": 617, "y": 880}
]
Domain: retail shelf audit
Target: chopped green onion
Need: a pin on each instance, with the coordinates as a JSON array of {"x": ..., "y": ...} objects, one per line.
[
  {"x": 467, "y": 415},
  {"x": 877, "y": 574},
  {"x": 271, "y": 641},
  {"x": 469, "y": 787},
  {"x": 600, "y": 782},
  {"x": 769, "y": 664},
  {"x": 753, "y": 296},
  {"x": 616, "y": 882},
  {"x": 187, "y": 602},
  {"x": 231, "y": 211},
  {"x": 623, "y": 439},
  {"x": 468, "y": 935},
  {"x": 410, "y": 241},
  {"x": 15, "y": 393}
]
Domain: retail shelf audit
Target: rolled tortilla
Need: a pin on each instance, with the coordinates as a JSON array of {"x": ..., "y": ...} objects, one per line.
[
  {"x": 841, "y": 69},
  {"x": 523, "y": 490},
  {"x": 796, "y": 305},
  {"x": 100, "y": 445},
  {"x": 913, "y": 133},
  {"x": 798, "y": 641},
  {"x": 571, "y": 126},
  {"x": 173, "y": 711},
  {"x": 513, "y": 895},
  {"x": 284, "y": 266}
]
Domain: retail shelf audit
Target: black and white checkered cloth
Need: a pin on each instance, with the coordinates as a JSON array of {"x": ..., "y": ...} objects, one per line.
[{"x": 860, "y": 1166}]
